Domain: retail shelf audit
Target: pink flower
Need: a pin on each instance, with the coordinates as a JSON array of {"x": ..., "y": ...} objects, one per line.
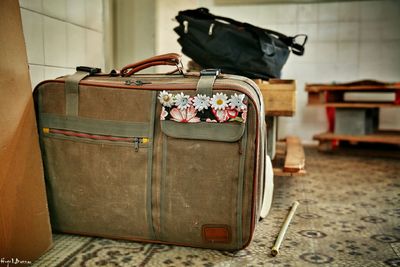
[
  {"x": 164, "y": 114},
  {"x": 232, "y": 113},
  {"x": 186, "y": 115},
  {"x": 221, "y": 115},
  {"x": 244, "y": 116}
]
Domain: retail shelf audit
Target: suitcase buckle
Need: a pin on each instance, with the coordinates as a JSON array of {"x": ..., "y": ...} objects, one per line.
[
  {"x": 210, "y": 72},
  {"x": 90, "y": 70}
]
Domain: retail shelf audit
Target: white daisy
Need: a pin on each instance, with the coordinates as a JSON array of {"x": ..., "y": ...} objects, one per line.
[
  {"x": 201, "y": 102},
  {"x": 236, "y": 102},
  {"x": 166, "y": 99},
  {"x": 219, "y": 101},
  {"x": 182, "y": 101}
]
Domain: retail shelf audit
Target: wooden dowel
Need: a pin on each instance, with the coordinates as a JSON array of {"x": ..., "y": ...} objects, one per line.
[{"x": 279, "y": 239}]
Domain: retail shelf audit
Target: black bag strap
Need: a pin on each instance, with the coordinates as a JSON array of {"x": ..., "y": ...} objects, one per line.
[{"x": 203, "y": 13}]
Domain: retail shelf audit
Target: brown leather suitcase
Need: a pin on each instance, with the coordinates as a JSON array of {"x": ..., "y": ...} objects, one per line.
[{"x": 171, "y": 158}]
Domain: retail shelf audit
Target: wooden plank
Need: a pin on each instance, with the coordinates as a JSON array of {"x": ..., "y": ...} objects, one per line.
[
  {"x": 281, "y": 172},
  {"x": 281, "y": 113},
  {"x": 279, "y": 96},
  {"x": 336, "y": 99},
  {"x": 324, "y": 87},
  {"x": 25, "y": 230},
  {"x": 363, "y": 85},
  {"x": 384, "y": 137},
  {"x": 279, "y": 161},
  {"x": 313, "y": 102},
  {"x": 295, "y": 158}
]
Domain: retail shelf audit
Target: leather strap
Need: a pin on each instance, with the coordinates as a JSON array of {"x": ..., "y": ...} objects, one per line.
[
  {"x": 72, "y": 92},
  {"x": 171, "y": 59},
  {"x": 148, "y": 65},
  {"x": 149, "y": 192},
  {"x": 206, "y": 82}
]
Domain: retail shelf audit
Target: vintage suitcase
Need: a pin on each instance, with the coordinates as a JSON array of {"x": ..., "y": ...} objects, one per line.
[{"x": 155, "y": 158}]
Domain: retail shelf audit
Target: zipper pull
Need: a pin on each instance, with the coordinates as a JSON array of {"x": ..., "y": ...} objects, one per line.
[
  {"x": 136, "y": 82},
  {"x": 139, "y": 140},
  {"x": 136, "y": 142},
  {"x": 139, "y": 82}
]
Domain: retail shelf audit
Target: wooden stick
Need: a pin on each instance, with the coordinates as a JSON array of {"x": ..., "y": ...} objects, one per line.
[{"x": 279, "y": 239}]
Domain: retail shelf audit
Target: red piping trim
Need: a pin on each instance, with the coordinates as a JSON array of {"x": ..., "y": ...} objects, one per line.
[{"x": 91, "y": 136}]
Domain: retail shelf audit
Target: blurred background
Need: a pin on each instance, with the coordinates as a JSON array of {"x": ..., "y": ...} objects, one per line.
[{"x": 348, "y": 41}]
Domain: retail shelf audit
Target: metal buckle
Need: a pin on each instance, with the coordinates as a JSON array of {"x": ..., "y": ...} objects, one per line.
[
  {"x": 185, "y": 26},
  {"x": 210, "y": 30},
  {"x": 90, "y": 70},
  {"x": 210, "y": 72}
]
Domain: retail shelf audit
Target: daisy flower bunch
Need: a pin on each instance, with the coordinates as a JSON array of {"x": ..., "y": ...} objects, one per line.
[{"x": 218, "y": 108}]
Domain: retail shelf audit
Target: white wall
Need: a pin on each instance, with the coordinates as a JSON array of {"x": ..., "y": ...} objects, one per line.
[
  {"x": 134, "y": 35},
  {"x": 347, "y": 41},
  {"x": 62, "y": 34},
  {"x": 165, "y": 37}
]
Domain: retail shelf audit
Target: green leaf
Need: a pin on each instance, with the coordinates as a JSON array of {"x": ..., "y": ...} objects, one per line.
[{"x": 238, "y": 119}]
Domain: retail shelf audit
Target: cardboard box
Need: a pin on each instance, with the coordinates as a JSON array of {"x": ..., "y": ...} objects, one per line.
[{"x": 25, "y": 232}]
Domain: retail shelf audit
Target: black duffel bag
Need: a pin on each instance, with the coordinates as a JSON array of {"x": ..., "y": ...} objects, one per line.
[{"x": 235, "y": 47}]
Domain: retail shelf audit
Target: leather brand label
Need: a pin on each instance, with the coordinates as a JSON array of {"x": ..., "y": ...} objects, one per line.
[{"x": 216, "y": 233}]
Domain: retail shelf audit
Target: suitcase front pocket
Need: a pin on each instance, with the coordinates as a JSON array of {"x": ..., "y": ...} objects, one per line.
[
  {"x": 96, "y": 181},
  {"x": 202, "y": 183}
]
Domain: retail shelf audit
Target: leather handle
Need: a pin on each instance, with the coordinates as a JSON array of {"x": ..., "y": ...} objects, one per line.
[{"x": 170, "y": 59}]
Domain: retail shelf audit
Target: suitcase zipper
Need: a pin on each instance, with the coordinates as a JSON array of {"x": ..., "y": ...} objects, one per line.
[
  {"x": 159, "y": 85},
  {"x": 136, "y": 141},
  {"x": 136, "y": 82}
]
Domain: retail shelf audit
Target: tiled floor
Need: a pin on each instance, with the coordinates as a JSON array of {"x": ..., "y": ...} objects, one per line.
[{"x": 349, "y": 215}]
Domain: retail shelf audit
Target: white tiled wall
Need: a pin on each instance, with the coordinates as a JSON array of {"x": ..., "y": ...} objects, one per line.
[
  {"x": 62, "y": 34},
  {"x": 165, "y": 36},
  {"x": 348, "y": 40}
]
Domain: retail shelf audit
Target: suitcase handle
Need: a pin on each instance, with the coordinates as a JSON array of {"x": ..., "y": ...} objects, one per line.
[{"x": 171, "y": 59}]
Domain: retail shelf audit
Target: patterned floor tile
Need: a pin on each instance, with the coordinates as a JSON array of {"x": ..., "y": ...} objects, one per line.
[{"x": 348, "y": 215}]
